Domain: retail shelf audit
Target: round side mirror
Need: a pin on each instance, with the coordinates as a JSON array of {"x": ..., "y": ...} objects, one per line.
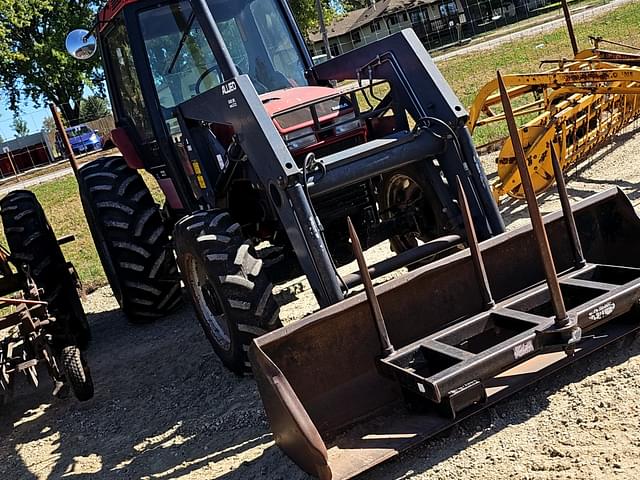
[{"x": 81, "y": 45}]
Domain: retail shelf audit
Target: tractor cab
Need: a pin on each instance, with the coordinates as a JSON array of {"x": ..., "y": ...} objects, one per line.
[
  {"x": 158, "y": 56},
  {"x": 255, "y": 34},
  {"x": 261, "y": 45}
]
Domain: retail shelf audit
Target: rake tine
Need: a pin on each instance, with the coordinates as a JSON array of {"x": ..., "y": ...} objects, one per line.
[
  {"x": 566, "y": 211},
  {"x": 537, "y": 223},
  {"x": 374, "y": 305},
  {"x": 474, "y": 247}
]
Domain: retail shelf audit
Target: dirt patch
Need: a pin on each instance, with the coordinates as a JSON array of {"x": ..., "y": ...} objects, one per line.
[{"x": 166, "y": 408}]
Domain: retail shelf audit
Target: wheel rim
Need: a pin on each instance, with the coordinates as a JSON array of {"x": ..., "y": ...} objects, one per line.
[
  {"x": 207, "y": 303},
  {"x": 403, "y": 192}
]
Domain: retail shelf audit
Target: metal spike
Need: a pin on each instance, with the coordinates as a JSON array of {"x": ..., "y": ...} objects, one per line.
[
  {"x": 566, "y": 211},
  {"x": 537, "y": 223},
  {"x": 567, "y": 19},
  {"x": 474, "y": 247},
  {"x": 374, "y": 305}
]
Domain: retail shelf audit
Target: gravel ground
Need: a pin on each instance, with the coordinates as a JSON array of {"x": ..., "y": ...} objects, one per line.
[{"x": 166, "y": 408}]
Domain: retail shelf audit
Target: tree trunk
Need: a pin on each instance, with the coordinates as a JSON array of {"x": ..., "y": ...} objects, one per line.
[{"x": 71, "y": 114}]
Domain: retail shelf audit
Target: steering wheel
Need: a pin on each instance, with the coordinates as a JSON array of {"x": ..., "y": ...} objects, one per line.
[
  {"x": 205, "y": 74},
  {"x": 259, "y": 86}
]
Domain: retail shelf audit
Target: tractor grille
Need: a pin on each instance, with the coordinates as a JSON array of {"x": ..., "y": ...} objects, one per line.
[{"x": 347, "y": 201}]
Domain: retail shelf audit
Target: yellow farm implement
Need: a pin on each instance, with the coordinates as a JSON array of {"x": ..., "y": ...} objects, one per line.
[{"x": 574, "y": 108}]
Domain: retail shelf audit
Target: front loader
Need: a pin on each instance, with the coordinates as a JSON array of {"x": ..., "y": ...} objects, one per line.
[
  {"x": 261, "y": 157},
  {"x": 353, "y": 385}
]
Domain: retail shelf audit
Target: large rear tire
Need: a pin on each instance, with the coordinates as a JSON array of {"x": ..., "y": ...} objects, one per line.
[
  {"x": 32, "y": 242},
  {"x": 231, "y": 292},
  {"x": 131, "y": 238}
]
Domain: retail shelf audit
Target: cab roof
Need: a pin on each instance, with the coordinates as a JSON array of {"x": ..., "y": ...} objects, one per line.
[{"x": 110, "y": 10}]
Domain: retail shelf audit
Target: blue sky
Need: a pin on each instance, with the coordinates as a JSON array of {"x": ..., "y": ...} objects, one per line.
[{"x": 31, "y": 114}]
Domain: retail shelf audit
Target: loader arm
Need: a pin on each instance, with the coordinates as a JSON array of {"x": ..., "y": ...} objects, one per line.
[{"x": 402, "y": 60}]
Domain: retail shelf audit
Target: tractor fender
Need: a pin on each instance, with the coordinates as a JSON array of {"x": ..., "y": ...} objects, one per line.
[{"x": 127, "y": 148}]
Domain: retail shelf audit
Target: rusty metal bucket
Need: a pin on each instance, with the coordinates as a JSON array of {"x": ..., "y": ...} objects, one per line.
[{"x": 334, "y": 406}]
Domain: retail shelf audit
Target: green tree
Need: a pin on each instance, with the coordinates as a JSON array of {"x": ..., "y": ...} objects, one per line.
[
  {"x": 33, "y": 61},
  {"x": 307, "y": 16},
  {"x": 20, "y": 127},
  {"x": 49, "y": 125},
  {"x": 93, "y": 107},
  {"x": 355, "y": 4}
]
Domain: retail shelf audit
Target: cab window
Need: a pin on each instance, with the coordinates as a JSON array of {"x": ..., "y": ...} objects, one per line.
[{"x": 127, "y": 92}]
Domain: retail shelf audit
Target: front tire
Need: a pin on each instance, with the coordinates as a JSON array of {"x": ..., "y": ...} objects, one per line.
[
  {"x": 131, "y": 239},
  {"x": 77, "y": 372},
  {"x": 231, "y": 293}
]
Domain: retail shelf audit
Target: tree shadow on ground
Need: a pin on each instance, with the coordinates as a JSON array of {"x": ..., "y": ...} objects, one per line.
[{"x": 164, "y": 406}]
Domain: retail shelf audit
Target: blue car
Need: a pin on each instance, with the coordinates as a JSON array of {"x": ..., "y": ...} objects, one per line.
[{"x": 83, "y": 139}]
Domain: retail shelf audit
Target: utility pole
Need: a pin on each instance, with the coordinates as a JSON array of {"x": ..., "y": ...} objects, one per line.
[
  {"x": 64, "y": 138},
  {"x": 323, "y": 28},
  {"x": 7, "y": 151}
]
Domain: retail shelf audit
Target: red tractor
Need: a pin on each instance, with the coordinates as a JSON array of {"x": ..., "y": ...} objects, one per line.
[{"x": 262, "y": 156}]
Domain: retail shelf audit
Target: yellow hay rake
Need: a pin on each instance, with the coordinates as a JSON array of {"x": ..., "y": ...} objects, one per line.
[{"x": 576, "y": 107}]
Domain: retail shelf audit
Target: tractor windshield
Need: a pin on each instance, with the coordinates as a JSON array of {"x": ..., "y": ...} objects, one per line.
[{"x": 255, "y": 33}]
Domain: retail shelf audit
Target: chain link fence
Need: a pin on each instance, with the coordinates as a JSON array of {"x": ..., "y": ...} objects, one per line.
[{"x": 442, "y": 24}]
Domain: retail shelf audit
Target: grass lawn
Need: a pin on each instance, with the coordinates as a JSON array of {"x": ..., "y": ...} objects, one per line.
[
  {"x": 466, "y": 74},
  {"x": 61, "y": 203}
]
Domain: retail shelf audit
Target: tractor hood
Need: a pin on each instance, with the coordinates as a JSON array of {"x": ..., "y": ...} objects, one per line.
[{"x": 287, "y": 107}]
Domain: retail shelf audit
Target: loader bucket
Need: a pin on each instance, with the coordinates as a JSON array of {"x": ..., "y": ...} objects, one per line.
[{"x": 337, "y": 407}]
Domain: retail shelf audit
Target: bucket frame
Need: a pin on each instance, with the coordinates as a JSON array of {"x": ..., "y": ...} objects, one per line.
[{"x": 338, "y": 404}]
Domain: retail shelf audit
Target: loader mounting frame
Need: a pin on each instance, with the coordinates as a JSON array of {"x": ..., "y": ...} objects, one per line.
[{"x": 426, "y": 96}]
